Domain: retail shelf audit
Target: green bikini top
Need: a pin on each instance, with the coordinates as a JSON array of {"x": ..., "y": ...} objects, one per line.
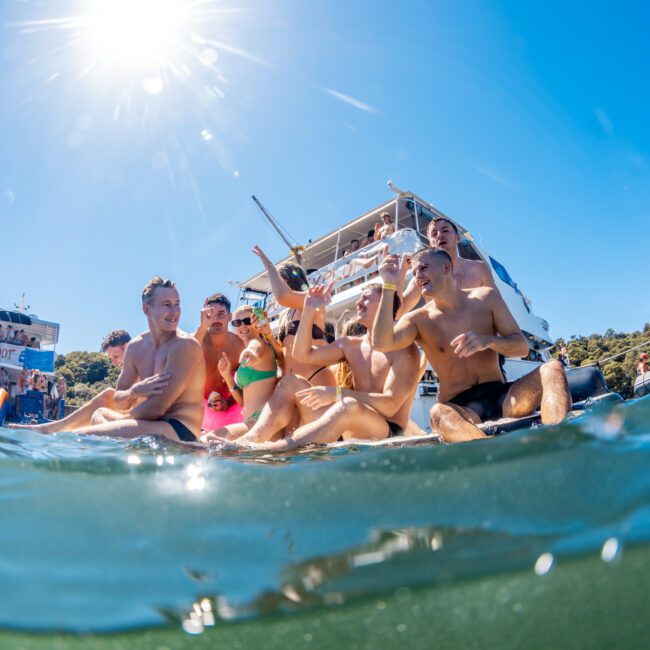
[{"x": 247, "y": 376}]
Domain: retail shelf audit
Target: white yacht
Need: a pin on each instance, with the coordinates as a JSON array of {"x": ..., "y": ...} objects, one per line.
[{"x": 327, "y": 259}]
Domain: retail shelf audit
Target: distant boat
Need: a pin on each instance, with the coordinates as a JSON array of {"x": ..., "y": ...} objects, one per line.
[{"x": 642, "y": 385}]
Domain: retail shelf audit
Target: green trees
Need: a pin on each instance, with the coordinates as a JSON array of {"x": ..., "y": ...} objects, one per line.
[
  {"x": 86, "y": 373},
  {"x": 620, "y": 372}
]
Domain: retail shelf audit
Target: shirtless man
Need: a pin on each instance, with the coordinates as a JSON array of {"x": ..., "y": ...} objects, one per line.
[
  {"x": 469, "y": 274},
  {"x": 114, "y": 346},
  {"x": 378, "y": 407},
  {"x": 462, "y": 332},
  {"x": 176, "y": 410},
  {"x": 218, "y": 344}
]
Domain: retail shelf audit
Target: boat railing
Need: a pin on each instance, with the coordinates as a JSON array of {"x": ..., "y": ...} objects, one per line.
[{"x": 357, "y": 267}]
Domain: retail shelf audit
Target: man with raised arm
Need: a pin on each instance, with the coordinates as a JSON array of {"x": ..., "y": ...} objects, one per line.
[
  {"x": 175, "y": 411},
  {"x": 377, "y": 407},
  {"x": 218, "y": 344},
  {"x": 462, "y": 332},
  {"x": 468, "y": 274}
]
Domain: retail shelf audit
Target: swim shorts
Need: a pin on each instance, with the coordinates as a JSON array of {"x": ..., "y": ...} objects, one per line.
[
  {"x": 181, "y": 430},
  {"x": 486, "y": 400}
]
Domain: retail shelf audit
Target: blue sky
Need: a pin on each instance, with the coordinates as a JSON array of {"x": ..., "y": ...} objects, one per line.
[{"x": 526, "y": 123}]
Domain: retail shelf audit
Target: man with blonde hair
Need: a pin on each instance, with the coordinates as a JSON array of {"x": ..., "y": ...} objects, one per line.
[{"x": 175, "y": 409}]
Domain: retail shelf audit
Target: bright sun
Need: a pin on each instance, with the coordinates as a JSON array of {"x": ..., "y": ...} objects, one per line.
[{"x": 134, "y": 33}]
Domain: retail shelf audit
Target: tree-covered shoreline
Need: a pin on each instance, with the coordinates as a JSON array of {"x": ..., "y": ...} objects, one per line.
[
  {"x": 620, "y": 372},
  {"x": 88, "y": 373}
]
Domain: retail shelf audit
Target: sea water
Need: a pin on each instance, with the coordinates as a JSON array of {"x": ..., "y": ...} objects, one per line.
[{"x": 537, "y": 539}]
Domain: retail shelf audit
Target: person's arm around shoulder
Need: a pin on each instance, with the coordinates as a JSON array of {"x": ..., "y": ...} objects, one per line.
[
  {"x": 386, "y": 335},
  {"x": 303, "y": 351},
  {"x": 183, "y": 360}
]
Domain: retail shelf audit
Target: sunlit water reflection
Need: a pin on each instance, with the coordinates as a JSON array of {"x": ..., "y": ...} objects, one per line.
[{"x": 106, "y": 535}]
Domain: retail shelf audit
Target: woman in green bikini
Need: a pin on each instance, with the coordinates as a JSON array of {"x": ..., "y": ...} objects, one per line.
[{"x": 255, "y": 378}]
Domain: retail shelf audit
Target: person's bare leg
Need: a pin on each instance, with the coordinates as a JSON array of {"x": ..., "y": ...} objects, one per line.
[
  {"x": 348, "y": 416},
  {"x": 130, "y": 428},
  {"x": 279, "y": 410},
  {"x": 80, "y": 418},
  {"x": 229, "y": 432},
  {"x": 546, "y": 386},
  {"x": 455, "y": 423}
]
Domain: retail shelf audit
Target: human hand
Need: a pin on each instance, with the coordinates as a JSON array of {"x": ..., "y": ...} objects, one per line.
[
  {"x": 207, "y": 316},
  {"x": 318, "y": 297},
  {"x": 316, "y": 397},
  {"x": 248, "y": 357},
  {"x": 154, "y": 385},
  {"x": 264, "y": 328},
  {"x": 260, "y": 253},
  {"x": 389, "y": 269},
  {"x": 469, "y": 343},
  {"x": 224, "y": 367}
]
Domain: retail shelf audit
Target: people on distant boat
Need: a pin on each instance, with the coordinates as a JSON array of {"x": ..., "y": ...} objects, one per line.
[
  {"x": 289, "y": 286},
  {"x": 563, "y": 356},
  {"x": 368, "y": 239},
  {"x": 254, "y": 381},
  {"x": 384, "y": 227},
  {"x": 58, "y": 396},
  {"x": 377, "y": 407},
  {"x": 355, "y": 245},
  {"x": 114, "y": 346},
  {"x": 4, "y": 379},
  {"x": 165, "y": 359},
  {"x": 642, "y": 366},
  {"x": 217, "y": 343},
  {"x": 34, "y": 343},
  {"x": 468, "y": 274},
  {"x": 462, "y": 332}
]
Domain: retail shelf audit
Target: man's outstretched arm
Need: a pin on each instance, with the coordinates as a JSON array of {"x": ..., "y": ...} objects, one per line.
[{"x": 386, "y": 335}]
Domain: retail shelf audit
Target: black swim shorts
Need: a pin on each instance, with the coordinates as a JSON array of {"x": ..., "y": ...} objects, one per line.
[
  {"x": 181, "y": 430},
  {"x": 486, "y": 400}
]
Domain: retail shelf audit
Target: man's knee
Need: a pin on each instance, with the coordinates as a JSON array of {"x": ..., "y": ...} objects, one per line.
[
  {"x": 349, "y": 406},
  {"x": 438, "y": 413},
  {"x": 552, "y": 370},
  {"x": 98, "y": 417},
  {"x": 105, "y": 398}
]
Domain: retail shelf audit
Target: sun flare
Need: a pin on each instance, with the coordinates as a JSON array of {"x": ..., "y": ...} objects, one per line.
[{"x": 133, "y": 33}]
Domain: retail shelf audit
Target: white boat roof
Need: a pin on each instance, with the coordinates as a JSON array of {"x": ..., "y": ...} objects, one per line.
[{"x": 320, "y": 252}]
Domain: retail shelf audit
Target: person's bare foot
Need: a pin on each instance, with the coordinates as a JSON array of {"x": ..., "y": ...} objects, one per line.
[{"x": 45, "y": 427}]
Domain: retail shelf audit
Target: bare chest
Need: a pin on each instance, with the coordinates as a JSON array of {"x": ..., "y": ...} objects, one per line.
[{"x": 369, "y": 368}]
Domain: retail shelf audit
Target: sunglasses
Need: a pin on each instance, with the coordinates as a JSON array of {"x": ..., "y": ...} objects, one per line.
[{"x": 236, "y": 322}]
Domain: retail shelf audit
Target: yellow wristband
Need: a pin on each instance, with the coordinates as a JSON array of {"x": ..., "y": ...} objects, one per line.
[
  {"x": 339, "y": 395},
  {"x": 389, "y": 287}
]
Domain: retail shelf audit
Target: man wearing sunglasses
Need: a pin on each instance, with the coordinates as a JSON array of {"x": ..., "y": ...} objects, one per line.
[{"x": 217, "y": 342}]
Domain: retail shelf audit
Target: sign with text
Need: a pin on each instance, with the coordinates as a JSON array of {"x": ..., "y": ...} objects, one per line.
[{"x": 18, "y": 356}]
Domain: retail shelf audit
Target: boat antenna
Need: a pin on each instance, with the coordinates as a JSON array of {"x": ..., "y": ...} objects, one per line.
[
  {"x": 22, "y": 306},
  {"x": 295, "y": 249}
]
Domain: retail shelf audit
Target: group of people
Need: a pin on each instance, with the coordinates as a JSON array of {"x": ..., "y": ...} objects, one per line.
[
  {"x": 301, "y": 388},
  {"x": 383, "y": 228},
  {"x": 15, "y": 336}
]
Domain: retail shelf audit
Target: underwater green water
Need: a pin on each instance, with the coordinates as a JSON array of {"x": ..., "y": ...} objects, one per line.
[{"x": 536, "y": 539}]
